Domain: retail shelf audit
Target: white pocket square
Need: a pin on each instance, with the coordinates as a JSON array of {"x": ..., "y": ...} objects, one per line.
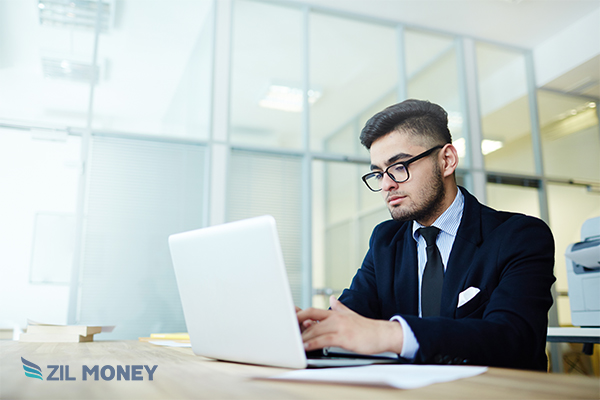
[{"x": 466, "y": 295}]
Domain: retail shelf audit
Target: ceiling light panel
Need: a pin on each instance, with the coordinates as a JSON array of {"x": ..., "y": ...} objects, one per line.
[
  {"x": 287, "y": 98},
  {"x": 68, "y": 69},
  {"x": 489, "y": 146},
  {"x": 76, "y": 13}
]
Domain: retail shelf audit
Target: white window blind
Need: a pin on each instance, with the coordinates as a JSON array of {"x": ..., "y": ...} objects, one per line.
[
  {"x": 260, "y": 184},
  {"x": 139, "y": 192}
]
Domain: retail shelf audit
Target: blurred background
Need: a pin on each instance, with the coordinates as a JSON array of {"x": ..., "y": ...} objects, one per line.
[{"x": 124, "y": 121}]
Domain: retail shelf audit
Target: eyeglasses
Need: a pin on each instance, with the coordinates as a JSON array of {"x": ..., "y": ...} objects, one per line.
[{"x": 398, "y": 171}]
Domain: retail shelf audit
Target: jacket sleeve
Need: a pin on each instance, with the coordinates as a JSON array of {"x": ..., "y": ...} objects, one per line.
[{"x": 512, "y": 329}]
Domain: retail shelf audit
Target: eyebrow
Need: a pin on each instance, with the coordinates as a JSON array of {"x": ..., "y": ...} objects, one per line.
[{"x": 392, "y": 160}]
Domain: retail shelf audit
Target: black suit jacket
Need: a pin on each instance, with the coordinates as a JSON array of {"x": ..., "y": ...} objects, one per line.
[{"x": 509, "y": 257}]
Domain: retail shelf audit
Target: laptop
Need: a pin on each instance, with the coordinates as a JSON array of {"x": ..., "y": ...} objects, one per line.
[{"x": 237, "y": 301}]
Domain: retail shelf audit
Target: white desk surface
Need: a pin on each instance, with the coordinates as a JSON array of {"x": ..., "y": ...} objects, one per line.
[{"x": 574, "y": 332}]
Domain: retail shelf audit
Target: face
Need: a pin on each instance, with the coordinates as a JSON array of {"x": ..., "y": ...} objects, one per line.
[{"x": 421, "y": 197}]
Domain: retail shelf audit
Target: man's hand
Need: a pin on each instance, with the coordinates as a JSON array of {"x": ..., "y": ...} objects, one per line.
[{"x": 344, "y": 328}]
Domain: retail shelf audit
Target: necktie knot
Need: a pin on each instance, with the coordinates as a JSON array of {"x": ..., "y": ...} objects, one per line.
[{"x": 430, "y": 234}]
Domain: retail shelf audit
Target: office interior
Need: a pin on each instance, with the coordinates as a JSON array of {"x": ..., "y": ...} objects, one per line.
[{"x": 125, "y": 121}]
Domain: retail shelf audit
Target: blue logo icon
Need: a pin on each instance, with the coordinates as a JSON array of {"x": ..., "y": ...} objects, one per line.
[{"x": 32, "y": 370}]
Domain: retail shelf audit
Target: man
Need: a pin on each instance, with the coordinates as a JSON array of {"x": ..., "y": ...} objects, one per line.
[{"x": 474, "y": 289}]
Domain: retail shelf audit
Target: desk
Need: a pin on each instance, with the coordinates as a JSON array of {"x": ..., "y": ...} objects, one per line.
[
  {"x": 182, "y": 375},
  {"x": 587, "y": 336}
]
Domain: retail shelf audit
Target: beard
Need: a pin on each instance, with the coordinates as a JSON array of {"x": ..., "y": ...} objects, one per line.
[{"x": 430, "y": 201}]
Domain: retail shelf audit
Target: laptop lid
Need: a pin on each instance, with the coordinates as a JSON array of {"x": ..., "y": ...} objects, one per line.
[{"x": 235, "y": 293}]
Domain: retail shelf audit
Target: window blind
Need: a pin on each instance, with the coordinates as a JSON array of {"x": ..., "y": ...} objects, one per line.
[
  {"x": 260, "y": 184},
  {"x": 139, "y": 192}
]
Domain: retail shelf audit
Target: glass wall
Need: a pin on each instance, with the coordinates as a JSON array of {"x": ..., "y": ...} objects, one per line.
[
  {"x": 345, "y": 212},
  {"x": 155, "y": 69},
  {"x": 266, "y": 183},
  {"x": 432, "y": 74},
  {"x": 266, "y": 76},
  {"x": 73, "y": 75},
  {"x": 38, "y": 177},
  {"x": 504, "y": 107},
  {"x": 570, "y": 206},
  {"x": 570, "y": 139},
  {"x": 353, "y": 69},
  {"x": 520, "y": 199},
  {"x": 140, "y": 192},
  {"x": 45, "y": 75}
]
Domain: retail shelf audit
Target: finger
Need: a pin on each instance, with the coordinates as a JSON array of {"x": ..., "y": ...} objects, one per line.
[
  {"x": 333, "y": 302},
  {"x": 312, "y": 313},
  {"x": 336, "y": 305},
  {"x": 320, "y": 342},
  {"x": 308, "y": 323},
  {"x": 319, "y": 329},
  {"x": 298, "y": 309}
]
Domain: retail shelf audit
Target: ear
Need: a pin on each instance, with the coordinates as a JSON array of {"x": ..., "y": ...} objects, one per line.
[{"x": 449, "y": 159}]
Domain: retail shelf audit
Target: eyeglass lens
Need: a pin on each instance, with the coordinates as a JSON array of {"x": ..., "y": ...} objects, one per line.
[{"x": 397, "y": 173}]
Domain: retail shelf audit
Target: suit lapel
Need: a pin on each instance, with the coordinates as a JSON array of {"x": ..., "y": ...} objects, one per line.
[
  {"x": 467, "y": 241},
  {"x": 406, "y": 280}
]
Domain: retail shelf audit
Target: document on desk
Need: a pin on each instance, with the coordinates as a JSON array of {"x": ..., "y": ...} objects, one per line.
[
  {"x": 396, "y": 376},
  {"x": 170, "y": 343}
]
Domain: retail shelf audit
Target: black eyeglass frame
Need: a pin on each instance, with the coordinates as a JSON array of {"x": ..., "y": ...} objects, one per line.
[{"x": 403, "y": 163}]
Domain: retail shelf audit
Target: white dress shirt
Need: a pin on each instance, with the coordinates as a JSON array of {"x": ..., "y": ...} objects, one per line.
[{"x": 448, "y": 224}]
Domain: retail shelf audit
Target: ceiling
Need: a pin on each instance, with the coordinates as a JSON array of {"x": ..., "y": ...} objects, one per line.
[
  {"x": 522, "y": 23},
  {"x": 582, "y": 80}
]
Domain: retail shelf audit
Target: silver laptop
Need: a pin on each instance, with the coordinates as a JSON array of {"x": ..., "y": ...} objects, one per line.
[{"x": 236, "y": 297}]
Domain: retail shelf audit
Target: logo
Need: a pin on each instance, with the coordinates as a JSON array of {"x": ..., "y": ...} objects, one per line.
[
  {"x": 32, "y": 370},
  {"x": 93, "y": 372}
]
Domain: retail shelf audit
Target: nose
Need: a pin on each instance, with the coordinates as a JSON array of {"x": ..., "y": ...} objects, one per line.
[{"x": 388, "y": 184}]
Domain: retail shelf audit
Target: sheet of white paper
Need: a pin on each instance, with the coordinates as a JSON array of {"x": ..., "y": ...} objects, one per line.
[
  {"x": 397, "y": 376},
  {"x": 169, "y": 343}
]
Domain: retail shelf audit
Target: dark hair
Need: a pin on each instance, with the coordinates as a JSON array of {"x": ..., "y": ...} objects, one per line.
[{"x": 419, "y": 118}]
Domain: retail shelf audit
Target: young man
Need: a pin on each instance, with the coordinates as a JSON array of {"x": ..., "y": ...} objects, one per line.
[{"x": 447, "y": 280}]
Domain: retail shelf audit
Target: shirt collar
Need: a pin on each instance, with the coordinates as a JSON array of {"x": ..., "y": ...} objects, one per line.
[{"x": 449, "y": 221}]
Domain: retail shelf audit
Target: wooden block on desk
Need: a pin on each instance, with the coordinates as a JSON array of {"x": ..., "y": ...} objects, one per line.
[
  {"x": 6, "y": 334},
  {"x": 82, "y": 330}
]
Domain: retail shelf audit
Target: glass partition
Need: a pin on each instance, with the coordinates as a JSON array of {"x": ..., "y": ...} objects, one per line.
[
  {"x": 264, "y": 183},
  {"x": 155, "y": 69},
  {"x": 266, "y": 76},
  {"x": 353, "y": 69},
  {"x": 504, "y": 107},
  {"x": 570, "y": 206},
  {"x": 39, "y": 181},
  {"x": 571, "y": 148},
  {"x": 519, "y": 199},
  {"x": 45, "y": 75},
  {"x": 345, "y": 212},
  {"x": 432, "y": 74},
  {"x": 570, "y": 136},
  {"x": 139, "y": 192}
]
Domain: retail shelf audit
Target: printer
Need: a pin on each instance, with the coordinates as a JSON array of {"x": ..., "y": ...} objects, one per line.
[{"x": 583, "y": 274}]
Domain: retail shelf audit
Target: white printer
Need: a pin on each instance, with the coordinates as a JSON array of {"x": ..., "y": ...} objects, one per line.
[{"x": 583, "y": 273}]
